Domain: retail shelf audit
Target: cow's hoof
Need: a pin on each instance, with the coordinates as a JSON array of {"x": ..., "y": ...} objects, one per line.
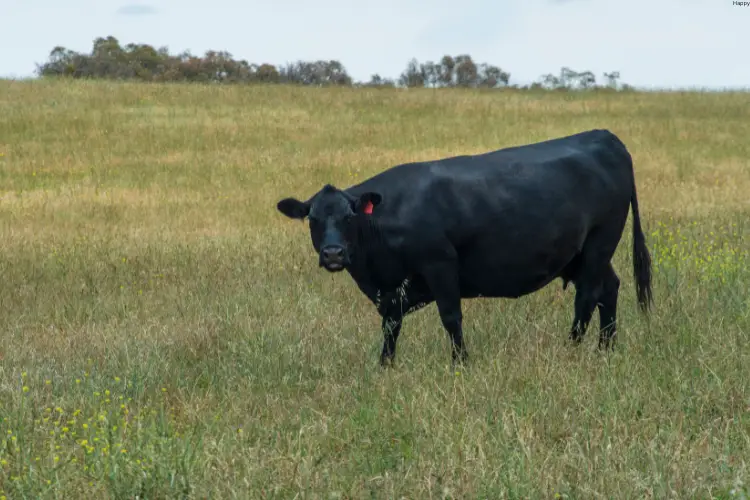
[
  {"x": 607, "y": 345},
  {"x": 387, "y": 361},
  {"x": 575, "y": 339},
  {"x": 460, "y": 359}
]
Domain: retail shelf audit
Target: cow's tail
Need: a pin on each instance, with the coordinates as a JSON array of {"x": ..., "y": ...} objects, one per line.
[{"x": 641, "y": 258}]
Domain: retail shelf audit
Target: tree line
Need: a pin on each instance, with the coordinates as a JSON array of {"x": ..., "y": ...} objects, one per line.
[{"x": 110, "y": 60}]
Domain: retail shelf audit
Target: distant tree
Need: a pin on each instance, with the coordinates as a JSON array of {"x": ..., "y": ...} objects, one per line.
[
  {"x": 586, "y": 80},
  {"x": 62, "y": 62},
  {"x": 460, "y": 71},
  {"x": 569, "y": 79},
  {"x": 447, "y": 65},
  {"x": 144, "y": 61},
  {"x": 215, "y": 66},
  {"x": 318, "y": 73},
  {"x": 267, "y": 73},
  {"x": 550, "y": 81},
  {"x": 612, "y": 78},
  {"x": 431, "y": 72},
  {"x": 413, "y": 76},
  {"x": 466, "y": 71},
  {"x": 492, "y": 76},
  {"x": 377, "y": 81},
  {"x": 110, "y": 60}
]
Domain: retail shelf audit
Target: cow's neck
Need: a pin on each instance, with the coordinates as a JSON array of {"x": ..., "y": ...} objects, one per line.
[
  {"x": 379, "y": 270},
  {"x": 361, "y": 267},
  {"x": 374, "y": 266}
]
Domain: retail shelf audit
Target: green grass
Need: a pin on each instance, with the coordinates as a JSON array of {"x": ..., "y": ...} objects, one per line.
[{"x": 167, "y": 333}]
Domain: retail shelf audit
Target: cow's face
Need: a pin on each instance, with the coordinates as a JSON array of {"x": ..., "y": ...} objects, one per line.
[{"x": 333, "y": 216}]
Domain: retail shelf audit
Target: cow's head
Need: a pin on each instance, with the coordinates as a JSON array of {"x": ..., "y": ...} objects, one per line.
[{"x": 335, "y": 217}]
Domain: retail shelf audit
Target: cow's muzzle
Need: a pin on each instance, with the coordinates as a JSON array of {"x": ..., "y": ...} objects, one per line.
[{"x": 333, "y": 258}]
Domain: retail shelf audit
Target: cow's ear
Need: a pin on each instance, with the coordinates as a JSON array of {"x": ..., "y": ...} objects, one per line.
[
  {"x": 366, "y": 202},
  {"x": 293, "y": 208}
]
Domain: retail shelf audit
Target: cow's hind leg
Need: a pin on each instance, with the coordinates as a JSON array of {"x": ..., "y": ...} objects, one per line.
[
  {"x": 595, "y": 280},
  {"x": 608, "y": 308},
  {"x": 588, "y": 290}
]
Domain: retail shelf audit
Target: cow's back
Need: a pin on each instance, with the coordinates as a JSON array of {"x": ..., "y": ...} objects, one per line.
[{"x": 595, "y": 157}]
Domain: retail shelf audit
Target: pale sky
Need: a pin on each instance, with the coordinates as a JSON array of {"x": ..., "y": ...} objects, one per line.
[{"x": 654, "y": 43}]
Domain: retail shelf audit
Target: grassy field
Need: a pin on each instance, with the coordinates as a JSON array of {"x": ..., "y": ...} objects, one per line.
[{"x": 167, "y": 333}]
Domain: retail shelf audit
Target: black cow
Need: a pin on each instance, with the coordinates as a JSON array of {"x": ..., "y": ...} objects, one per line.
[{"x": 500, "y": 224}]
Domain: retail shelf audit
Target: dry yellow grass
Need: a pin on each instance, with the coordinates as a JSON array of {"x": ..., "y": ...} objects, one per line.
[{"x": 141, "y": 254}]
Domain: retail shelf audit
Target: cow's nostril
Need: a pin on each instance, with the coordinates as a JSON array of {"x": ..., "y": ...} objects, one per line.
[{"x": 337, "y": 252}]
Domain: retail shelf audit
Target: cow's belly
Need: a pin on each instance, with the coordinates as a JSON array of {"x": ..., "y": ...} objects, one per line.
[
  {"x": 513, "y": 270},
  {"x": 505, "y": 281}
]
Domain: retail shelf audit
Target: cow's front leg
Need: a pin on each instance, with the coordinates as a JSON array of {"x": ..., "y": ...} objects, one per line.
[
  {"x": 442, "y": 278},
  {"x": 391, "y": 329},
  {"x": 391, "y": 323},
  {"x": 394, "y": 307}
]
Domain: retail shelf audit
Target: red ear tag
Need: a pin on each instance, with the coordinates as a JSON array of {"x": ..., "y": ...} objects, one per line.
[{"x": 368, "y": 207}]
